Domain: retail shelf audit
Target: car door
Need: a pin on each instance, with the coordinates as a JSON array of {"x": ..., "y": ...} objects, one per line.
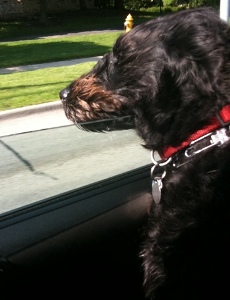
[{"x": 73, "y": 209}]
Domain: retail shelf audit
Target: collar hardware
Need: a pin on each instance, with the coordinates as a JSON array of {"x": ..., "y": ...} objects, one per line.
[
  {"x": 215, "y": 134},
  {"x": 158, "y": 172},
  {"x": 205, "y": 143},
  {"x": 221, "y": 119},
  {"x": 217, "y": 138}
]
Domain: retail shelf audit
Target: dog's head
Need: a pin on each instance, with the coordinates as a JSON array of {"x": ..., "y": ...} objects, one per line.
[
  {"x": 86, "y": 99},
  {"x": 172, "y": 74}
]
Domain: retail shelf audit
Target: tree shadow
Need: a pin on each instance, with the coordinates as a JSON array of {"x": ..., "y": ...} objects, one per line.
[{"x": 34, "y": 52}]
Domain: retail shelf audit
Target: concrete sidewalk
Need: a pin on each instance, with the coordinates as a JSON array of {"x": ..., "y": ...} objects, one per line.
[
  {"x": 48, "y": 65},
  {"x": 36, "y": 117}
]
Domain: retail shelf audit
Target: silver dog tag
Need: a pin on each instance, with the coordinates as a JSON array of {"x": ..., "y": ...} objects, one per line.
[{"x": 156, "y": 190}]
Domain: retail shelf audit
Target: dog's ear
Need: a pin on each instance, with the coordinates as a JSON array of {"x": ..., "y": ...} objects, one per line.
[
  {"x": 187, "y": 82},
  {"x": 197, "y": 69}
]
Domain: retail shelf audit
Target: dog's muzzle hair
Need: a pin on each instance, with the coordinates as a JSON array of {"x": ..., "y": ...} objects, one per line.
[{"x": 87, "y": 100}]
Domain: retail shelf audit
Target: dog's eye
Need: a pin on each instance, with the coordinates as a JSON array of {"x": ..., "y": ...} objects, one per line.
[{"x": 113, "y": 60}]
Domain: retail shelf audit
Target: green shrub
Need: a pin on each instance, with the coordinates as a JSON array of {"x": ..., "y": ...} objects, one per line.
[
  {"x": 167, "y": 9},
  {"x": 132, "y": 4},
  {"x": 156, "y": 9},
  {"x": 169, "y": 3}
]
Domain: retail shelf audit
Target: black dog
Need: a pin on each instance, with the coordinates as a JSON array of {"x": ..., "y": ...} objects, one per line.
[{"x": 172, "y": 75}]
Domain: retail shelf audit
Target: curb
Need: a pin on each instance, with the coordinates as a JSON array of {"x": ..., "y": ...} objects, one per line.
[
  {"x": 29, "y": 110},
  {"x": 39, "y": 108},
  {"x": 56, "y": 64}
]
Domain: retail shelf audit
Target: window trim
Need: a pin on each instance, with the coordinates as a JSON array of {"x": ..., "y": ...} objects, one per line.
[{"x": 26, "y": 232}]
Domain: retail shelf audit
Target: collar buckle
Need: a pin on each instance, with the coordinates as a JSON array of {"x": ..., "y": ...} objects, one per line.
[{"x": 217, "y": 138}]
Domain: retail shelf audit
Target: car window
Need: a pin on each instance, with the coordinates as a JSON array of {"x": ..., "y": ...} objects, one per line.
[{"x": 39, "y": 164}]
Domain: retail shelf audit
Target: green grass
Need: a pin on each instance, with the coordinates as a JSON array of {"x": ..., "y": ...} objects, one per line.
[
  {"x": 40, "y": 86},
  {"x": 27, "y": 52}
]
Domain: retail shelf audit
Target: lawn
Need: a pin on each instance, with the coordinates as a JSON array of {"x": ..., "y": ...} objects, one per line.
[
  {"x": 78, "y": 21},
  {"x": 28, "y": 42},
  {"x": 40, "y": 86},
  {"x": 25, "y": 52}
]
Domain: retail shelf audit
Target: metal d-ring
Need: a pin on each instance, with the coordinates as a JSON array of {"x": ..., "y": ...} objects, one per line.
[
  {"x": 157, "y": 177},
  {"x": 156, "y": 163}
]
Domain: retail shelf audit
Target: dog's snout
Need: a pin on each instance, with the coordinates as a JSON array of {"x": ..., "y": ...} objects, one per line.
[{"x": 64, "y": 93}]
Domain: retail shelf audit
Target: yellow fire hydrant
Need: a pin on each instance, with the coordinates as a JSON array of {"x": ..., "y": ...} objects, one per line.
[{"x": 128, "y": 23}]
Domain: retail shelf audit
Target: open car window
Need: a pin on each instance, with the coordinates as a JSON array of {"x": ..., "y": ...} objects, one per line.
[
  {"x": 70, "y": 200},
  {"x": 45, "y": 163}
]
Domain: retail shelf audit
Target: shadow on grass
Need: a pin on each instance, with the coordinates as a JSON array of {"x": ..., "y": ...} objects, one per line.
[
  {"x": 35, "y": 52},
  {"x": 66, "y": 22}
]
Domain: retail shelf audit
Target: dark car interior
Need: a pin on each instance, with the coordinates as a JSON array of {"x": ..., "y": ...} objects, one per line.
[{"x": 81, "y": 244}]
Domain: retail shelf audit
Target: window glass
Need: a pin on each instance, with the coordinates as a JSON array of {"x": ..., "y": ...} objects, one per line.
[{"x": 38, "y": 164}]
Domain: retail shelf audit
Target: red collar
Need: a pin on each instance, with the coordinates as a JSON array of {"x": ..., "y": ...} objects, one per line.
[{"x": 216, "y": 122}]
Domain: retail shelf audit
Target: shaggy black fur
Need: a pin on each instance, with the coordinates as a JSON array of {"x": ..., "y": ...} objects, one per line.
[{"x": 172, "y": 74}]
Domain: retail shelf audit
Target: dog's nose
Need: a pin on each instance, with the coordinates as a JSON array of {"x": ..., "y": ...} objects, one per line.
[{"x": 64, "y": 93}]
